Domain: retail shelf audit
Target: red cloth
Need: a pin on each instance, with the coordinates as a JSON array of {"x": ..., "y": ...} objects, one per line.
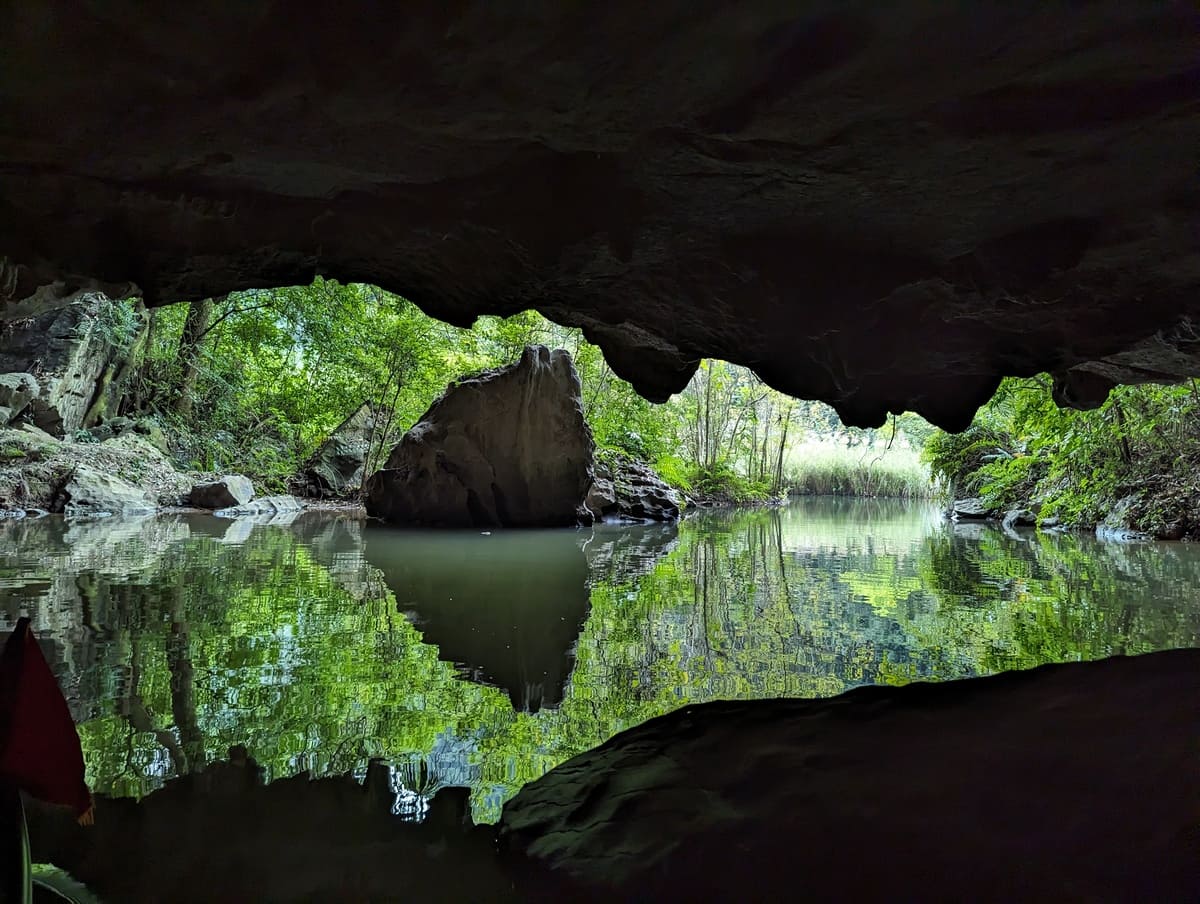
[{"x": 39, "y": 747}]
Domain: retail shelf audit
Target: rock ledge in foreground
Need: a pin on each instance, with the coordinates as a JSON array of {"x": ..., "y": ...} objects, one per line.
[{"x": 1074, "y": 780}]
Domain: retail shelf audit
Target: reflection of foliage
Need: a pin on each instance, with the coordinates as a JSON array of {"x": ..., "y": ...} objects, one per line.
[
  {"x": 293, "y": 651},
  {"x": 1057, "y": 598}
]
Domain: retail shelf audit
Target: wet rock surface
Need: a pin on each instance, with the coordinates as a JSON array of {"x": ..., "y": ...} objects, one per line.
[
  {"x": 1119, "y": 525},
  {"x": 1018, "y": 517},
  {"x": 264, "y": 505},
  {"x": 777, "y": 185},
  {"x": 1075, "y": 780},
  {"x": 970, "y": 509},
  {"x": 505, "y": 447}
]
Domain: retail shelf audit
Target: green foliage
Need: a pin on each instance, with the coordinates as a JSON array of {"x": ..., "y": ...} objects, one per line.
[
  {"x": 721, "y": 483},
  {"x": 292, "y": 644},
  {"x": 1008, "y": 480},
  {"x": 257, "y": 380},
  {"x": 957, "y": 457},
  {"x": 836, "y": 471},
  {"x": 1077, "y": 465},
  {"x": 116, "y": 324},
  {"x": 675, "y": 471}
]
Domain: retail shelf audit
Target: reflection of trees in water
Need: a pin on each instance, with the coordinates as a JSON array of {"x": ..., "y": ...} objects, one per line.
[
  {"x": 182, "y": 645},
  {"x": 1049, "y": 599},
  {"x": 203, "y": 645},
  {"x": 768, "y": 603}
]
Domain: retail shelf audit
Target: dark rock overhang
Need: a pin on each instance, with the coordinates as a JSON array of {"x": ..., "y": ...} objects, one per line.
[{"x": 883, "y": 206}]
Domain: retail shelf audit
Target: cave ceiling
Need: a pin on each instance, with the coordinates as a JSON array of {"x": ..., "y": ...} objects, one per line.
[{"x": 883, "y": 206}]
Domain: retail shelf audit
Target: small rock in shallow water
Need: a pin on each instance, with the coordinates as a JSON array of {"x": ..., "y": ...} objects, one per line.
[
  {"x": 973, "y": 508},
  {"x": 267, "y": 505},
  {"x": 230, "y": 491},
  {"x": 1019, "y": 518}
]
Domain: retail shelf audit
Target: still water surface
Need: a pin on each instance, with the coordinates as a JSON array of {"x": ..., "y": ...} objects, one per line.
[{"x": 482, "y": 660}]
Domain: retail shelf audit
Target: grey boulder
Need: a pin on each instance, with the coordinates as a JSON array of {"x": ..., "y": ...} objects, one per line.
[
  {"x": 266, "y": 505},
  {"x": 16, "y": 392},
  {"x": 973, "y": 508},
  {"x": 230, "y": 491},
  {"x": 631, "y": 490},
  {"x": 89, "y": 493},
  {"x": 1019, "y": 518},
  {"x": 336, "y": 468}
]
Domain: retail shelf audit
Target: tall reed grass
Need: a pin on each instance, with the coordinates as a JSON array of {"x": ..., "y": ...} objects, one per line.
[{"x": 833, "y": 470}]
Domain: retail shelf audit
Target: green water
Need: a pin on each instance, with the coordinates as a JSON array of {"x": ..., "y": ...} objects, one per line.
[{"x": 484, "y": 660}]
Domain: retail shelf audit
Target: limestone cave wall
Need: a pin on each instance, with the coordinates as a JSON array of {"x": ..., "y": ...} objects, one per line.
[{"x": 883, "y": 206}]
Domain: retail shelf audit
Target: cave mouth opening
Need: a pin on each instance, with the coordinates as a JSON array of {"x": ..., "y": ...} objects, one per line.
[
  {"x": 787, "y": 189},
  {"x": 424, "y": 666},
  {"x": 260, "y": 381}
]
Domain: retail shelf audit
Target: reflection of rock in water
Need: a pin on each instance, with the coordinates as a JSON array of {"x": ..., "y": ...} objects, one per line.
[
  {"x": 416, "y": 779},
  {"x": 336, "y": 542},
  {"x": 619, "y": 553},
  {"x": 220, "y": 835},
  {"x": 508, "y": 605},
  {"x": 70, "y": 577}
]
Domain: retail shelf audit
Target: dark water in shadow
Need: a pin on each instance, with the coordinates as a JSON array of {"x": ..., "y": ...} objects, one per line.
[{"x": 481, "y": 661}]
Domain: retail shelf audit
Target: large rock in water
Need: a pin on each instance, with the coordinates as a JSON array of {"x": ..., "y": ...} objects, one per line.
[
  {"x": 505, "y": 447},
  {"x": 336, "y": 468},
  {"x": 1073, "y": 781},
  {"x": 972, "y": 509},
  {"x": 629, "y": 489}
]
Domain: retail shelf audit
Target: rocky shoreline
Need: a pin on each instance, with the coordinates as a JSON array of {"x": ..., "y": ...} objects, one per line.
[
  {"x": 124, "y": 475},
  {"x": 1128, "y": 521}
]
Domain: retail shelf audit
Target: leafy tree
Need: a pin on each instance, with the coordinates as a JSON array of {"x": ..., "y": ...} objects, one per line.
[{"x": 1140, "y": 444}]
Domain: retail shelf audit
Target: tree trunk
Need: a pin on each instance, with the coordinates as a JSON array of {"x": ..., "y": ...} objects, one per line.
[
  {"x": 191, "y": 343},
  {"x": 708, "y": 439},
  {"x": 1122, "y": 434},
  {"x": 183, "y": 689},
  {"x": 139, "y": 395},
  {"x": 787, "y": 420}
]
